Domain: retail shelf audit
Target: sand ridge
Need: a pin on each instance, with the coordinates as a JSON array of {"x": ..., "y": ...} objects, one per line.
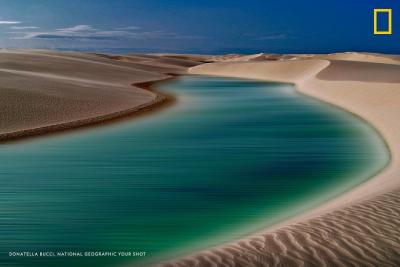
[{"x": 360, "y": 227}]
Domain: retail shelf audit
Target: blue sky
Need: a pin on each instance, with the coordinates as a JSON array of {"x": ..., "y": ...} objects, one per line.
[{"x": 208, "y": 26}]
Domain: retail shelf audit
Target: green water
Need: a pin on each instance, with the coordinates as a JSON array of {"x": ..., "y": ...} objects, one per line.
[{"x": 229, "y": 158}]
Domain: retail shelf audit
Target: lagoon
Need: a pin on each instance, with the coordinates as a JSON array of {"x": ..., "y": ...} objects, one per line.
[{"x": 231, "y": 157}]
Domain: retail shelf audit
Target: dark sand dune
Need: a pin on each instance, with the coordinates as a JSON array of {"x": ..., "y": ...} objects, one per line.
[{"x": 42, "y": 91}]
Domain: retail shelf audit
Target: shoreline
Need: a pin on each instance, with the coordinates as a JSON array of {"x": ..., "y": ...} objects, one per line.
[
  {"x": 279, "y": 242},
  {"x": 160, "y": 102},
  {"x": 105, "y": 103}
]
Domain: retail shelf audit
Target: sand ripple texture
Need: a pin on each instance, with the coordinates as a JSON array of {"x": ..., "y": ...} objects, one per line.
[{"x": 366, "y": 234}]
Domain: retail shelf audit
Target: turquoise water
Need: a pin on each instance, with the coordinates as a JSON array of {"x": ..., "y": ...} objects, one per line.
[{"x": 229, "y": 158}]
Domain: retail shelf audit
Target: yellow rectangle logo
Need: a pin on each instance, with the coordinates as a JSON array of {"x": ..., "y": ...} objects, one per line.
[{"x": 389, "y": 28}]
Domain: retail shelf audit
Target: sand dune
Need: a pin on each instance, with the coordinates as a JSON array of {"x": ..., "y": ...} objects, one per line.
[
  {"x": 43, "y": 91},
  {"x": 348, "y": 56},
  {"x": 364, "y": 57},
  {"x": 360, "y": 227}
]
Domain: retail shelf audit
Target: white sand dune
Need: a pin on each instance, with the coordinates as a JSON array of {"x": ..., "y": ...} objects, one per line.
[
  {"x": 360, "y": 227},
  {"x": 363, "y": 57},
  {"x": 348, "y": 56},
  {"x": 42, "y": 91}
]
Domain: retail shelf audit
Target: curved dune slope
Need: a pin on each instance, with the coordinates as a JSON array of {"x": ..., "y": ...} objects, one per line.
[
  {"x": 45, "y": 90},
  {"x": 360, "y": 227}
]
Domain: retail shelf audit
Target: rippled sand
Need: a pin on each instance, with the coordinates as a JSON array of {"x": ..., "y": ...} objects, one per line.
[{"x": 366, "y": 234}]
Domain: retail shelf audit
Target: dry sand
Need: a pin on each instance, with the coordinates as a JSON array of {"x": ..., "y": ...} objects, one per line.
[
  {"x": 360, "y": 227},
  {"x": 43, "y": 91}
]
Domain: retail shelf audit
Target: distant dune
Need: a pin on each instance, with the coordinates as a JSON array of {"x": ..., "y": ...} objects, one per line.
[{"x": 359, "y": 228}]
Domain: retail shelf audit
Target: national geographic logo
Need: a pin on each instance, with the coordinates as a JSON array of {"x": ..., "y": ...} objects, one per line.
[{"x": 383, "y": 19}]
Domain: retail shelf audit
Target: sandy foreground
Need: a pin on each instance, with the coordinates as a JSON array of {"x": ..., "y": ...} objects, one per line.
[
  {"x": 360, "y": 227},
  {"x": 45, "y": 91}
]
